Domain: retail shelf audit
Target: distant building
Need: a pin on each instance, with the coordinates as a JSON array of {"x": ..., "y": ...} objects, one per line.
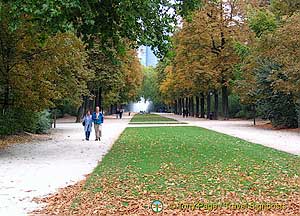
[{"x": 147, "y": 56}]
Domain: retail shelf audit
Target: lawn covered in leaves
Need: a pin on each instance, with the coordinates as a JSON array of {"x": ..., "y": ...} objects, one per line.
[
  {"x": 150, "y": 118},
  {"x": 180, "y": 165}
]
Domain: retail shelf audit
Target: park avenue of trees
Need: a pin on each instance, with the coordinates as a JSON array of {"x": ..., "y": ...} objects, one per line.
[
  {"x": 241, "y": 57},
  {"x": 244, "y": 52}
]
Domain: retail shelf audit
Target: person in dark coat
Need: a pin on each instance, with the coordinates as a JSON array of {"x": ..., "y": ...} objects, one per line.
[{"x": 121, "y": 112}]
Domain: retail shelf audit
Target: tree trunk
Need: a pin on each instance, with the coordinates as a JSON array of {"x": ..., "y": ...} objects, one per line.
[
  {"x": 92, "y": 103},
  {"x": 183, "y": 105},
  {"x": 189, "y": 106},
  {"x": 100, "y": 99},
  {"x": 225, "y": 102},
  {"x": 208, "y": 105},
  {"x": 298, "y": 111},
  {"x": 116, "y": 108},
  {"x": 111, "y": 109},
  {"x": 175, "y": 106},
  {"x": 254, "y": 115},
  {"x": 180, "y": 107},
  {"x": 6, "y": 99},
  {"x": 216, "y": 105},
  {"x": 54, "y": 119},
  {"x": 197, "y": 106},
  {"x": 85, "y": 106},
  {"x": 97, "y": 99},
  {"x": 79, "y": 113},
  {"x": 193, "y": 106},
  {"x": 202, "y": 105}
]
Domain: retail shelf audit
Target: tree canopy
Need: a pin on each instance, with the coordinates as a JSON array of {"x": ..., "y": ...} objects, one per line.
[{"x": 147, "y": 22}]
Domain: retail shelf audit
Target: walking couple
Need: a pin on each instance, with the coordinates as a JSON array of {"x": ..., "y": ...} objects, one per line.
[{"x": 88, "y": 120}]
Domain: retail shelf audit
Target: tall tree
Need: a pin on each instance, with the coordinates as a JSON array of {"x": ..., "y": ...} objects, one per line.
[
  {"x": 204, "y": 49},
  {"x": 272, "y": 67},
  {"x": 36, "y": 74}
]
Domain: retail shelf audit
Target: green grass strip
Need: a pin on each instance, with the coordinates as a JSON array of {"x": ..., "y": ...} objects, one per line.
[
  {"x": 150, "y": 118},
  {"x": 189, "y": 161}
]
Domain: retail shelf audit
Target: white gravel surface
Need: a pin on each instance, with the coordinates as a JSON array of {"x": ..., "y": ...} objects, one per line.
[
  {"x": 282, "y": 140},
  {"x": 39, "y": 168}
]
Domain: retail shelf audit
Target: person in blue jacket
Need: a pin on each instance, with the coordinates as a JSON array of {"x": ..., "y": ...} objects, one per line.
[
  {"x": 98, "y": 119},
  {"x": 88, "y": 123}
]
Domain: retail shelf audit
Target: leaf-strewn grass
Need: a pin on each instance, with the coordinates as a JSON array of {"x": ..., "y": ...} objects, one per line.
[
  {"x": 150, "y": 118},
  {"x": 188, "y": 165}
]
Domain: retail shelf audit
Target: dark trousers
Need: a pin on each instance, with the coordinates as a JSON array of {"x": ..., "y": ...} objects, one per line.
[{"x": 87, "y": 135}]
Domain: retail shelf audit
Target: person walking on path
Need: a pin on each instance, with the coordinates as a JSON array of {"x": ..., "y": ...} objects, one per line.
[
  {"x": 87, "y": 123},
  {"x": 185, "y": 113},
  {"x": 98, "y": 118},
  {"x": 121, "y": 112},
  {"x": 117, "y": 113}
]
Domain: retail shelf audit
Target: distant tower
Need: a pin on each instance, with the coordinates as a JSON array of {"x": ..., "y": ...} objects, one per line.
[
  {"x": 147, "y": 57},
  {"x": 151, "y": 59},
  {"x": 142, "y": 55}
]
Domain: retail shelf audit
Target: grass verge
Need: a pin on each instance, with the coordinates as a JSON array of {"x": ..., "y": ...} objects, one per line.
[
  {"x": 162, "y": 122},
  {"x": 187, "y": 165},
  {"x": 141, "y": 118}
]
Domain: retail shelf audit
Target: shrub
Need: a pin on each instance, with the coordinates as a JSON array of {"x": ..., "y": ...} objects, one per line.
[
  {"x": 281, "y": 110},
  {"x": 278, "y": 106},
  {"x": 234, "y": 105},
  {"x": 44, "y": 122},
  {"x": 19, "y": 120}
]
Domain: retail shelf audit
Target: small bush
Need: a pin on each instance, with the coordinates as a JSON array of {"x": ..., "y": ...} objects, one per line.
[
  {"x": 280, "y": 110},
  {"x": 44, "y": 122}
]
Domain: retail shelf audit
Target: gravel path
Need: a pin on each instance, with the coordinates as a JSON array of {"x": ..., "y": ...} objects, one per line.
[
  {"x": 282, "y": 140},
  {"x": 36, "y": 169}
]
